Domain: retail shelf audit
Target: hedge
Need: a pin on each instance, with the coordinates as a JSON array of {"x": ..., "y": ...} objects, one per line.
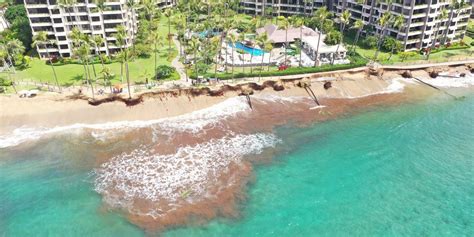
[{"x": 356, "y": 61}]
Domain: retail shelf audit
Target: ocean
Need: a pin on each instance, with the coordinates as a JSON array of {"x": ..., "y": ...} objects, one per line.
[{"x": 400, "y": 170}]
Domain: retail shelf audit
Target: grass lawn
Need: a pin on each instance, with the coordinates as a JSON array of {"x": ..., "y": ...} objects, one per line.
[
  {"x": 442, "y": 56},
  {"x": 73, "y": 74}
]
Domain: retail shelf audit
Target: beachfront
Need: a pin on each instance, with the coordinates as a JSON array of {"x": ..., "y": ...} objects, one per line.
[{"x": 190, "y": 118}]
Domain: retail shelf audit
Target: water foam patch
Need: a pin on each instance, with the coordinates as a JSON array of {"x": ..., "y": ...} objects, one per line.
[
  {"x": 191, "y": 170},
  {"x": 441, "y": 81}
]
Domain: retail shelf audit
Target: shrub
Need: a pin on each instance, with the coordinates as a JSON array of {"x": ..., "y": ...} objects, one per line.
[
  {"x": 333, "y": 37},
  {"x": 164, "y": 71},
  {"x": 143, "y": 50},
  {"x": 370, "y": 42},
  {"x": 5, "y": 82}
]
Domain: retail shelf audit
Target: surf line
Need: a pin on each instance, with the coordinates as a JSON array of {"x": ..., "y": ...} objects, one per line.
[{"x": 435, "y": 87}]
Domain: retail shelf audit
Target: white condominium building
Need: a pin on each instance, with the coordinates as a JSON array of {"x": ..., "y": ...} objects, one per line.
[
  {"x": 422, "y": 18},
  {"x": 282, "y": 7},
  {"x": 58, "y": 19}
]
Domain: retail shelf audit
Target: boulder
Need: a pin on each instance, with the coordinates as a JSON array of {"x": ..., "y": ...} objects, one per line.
[
  {"x": 327, "y": 85},
  {"x": 406, "y": 74}
]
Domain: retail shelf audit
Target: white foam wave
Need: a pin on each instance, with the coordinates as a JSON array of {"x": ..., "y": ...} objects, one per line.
[
  {"x": 441, "y": 81},
  {"x": 397, "y": 85},
  {"x": 190, "y": 171},
  {"x": 192, "y": 122}
]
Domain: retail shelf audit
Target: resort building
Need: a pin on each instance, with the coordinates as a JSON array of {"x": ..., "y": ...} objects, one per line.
[
  {"x": 278, "y": 36},
  {"x": 59, "y": 19},
  {"x": 422, "y": 18},
  {"x": 3, "y": 22},
  {"x": 283, "y": 7}
]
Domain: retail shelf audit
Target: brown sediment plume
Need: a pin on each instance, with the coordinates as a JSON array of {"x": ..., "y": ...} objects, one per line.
[
  {"x": 223, "y": 200},
  {"x": 225, "y": 195}
]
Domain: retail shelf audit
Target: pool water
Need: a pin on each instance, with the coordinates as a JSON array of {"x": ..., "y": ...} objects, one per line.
[{"x": 250, "y": 50}]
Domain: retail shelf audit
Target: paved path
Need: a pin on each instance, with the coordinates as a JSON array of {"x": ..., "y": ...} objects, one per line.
[
  {"x": 178, "y": 65},
  {"x": 422, "y": 66}
]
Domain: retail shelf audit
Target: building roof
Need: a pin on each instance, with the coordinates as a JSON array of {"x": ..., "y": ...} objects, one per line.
[
  {"x": 278, "y": 35},
  {"x": 312, "y": 41}
]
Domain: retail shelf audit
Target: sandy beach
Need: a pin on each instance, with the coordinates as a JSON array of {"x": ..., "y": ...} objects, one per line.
[{"x": 50, "y": 109}]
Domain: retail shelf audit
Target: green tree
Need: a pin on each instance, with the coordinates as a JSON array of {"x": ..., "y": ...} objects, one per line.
[
  {"x": 4, "y": 54},
  {"x": 14, "y": 48},
  {"x": 121, "y": 42},
  {"x": 157, "y": 40},
  {"x": 344, "y": 21},
  {"x": 168, "y": 14},
  {"x": 232, "y": 39},
  {"x": 398, "y": 23},
  {"x": 320, "y": 17},
  {"x": 102, "y": 7},
  {"x": 262, "y": 40},
  {"x": 41, "y": 40},
  {"x": 443, "y": 15},
  {"x": 284, "y": 24},
  {"x": 299, "y": 23},
  {"x": 359, "y": 26},
  {"x": 384, "y": 22},
  {"x": 83, "y": 52}
]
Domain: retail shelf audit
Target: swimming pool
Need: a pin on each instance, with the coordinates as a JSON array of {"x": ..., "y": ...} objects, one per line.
[{"x": 250, "y": 50}]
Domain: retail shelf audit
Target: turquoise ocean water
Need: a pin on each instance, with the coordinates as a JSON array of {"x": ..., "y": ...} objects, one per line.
[{"x": 399, "y": 171}]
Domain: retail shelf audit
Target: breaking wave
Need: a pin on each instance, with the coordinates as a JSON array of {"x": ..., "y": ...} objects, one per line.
[{"x": 174, "y": 179}]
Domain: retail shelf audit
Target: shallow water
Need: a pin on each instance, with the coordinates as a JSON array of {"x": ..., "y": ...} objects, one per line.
[{"x": 405, "y": 170}]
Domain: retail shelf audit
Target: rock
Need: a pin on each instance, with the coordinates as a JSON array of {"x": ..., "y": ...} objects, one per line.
[
  {"x": 327, "y": 85},
  {"x": 407, "y": 74},
  {"x": 462, "y": 74},
  {"x": 433, "y": 73}
]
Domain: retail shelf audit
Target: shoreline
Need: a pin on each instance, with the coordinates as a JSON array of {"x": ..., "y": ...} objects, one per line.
[
  {"x": 55, "y": 110},
  {"x": 192, "y": 157}
]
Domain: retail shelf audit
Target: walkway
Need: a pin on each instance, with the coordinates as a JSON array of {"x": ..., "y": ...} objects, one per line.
[
  {"x": 178, "y": 65},
  {"x": 423, "y": 66}
]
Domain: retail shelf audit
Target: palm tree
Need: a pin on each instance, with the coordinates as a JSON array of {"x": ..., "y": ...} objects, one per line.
[
  {"x": 372, "y": 10},
  {"x": 254, "y": 24},
  {"x": 83, "y": 52},
  {"x": 241, "y": 38},
  {"x": 262, "y": 40},
  {"x": 454, "y": 5},
  {"x": 121, "y": 41},
  {"x": 14, "y": 47},
  {"x": 168, "y": 14},
  {"x": 157, "y": 39},
  {"x": 41, "y": 40},
  {"x": 441, "y": 17},
  {"x": 101, "y": 6},
  {"x": 98, "y": 41},
  {"x": 66, "y": 5},
  {"x": 232, "y": 38},
  {"x": 320, "y": 16},
  {"x": 3, "y": 55},
  {"x": 269, "y": 48},
  {"x": 284, "y": 25},
  {"x": 344, "y": 20},
  {"x": 359, "y": 26},
  {"x": 299, "y": 23},
  {"x": 107, "y": 75},
  {"x": 133, "y": 5},
  {"x": 384, "y": 21},
  {"x": 194, "y": 46},
  {"x": 397, "y": 24}
]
